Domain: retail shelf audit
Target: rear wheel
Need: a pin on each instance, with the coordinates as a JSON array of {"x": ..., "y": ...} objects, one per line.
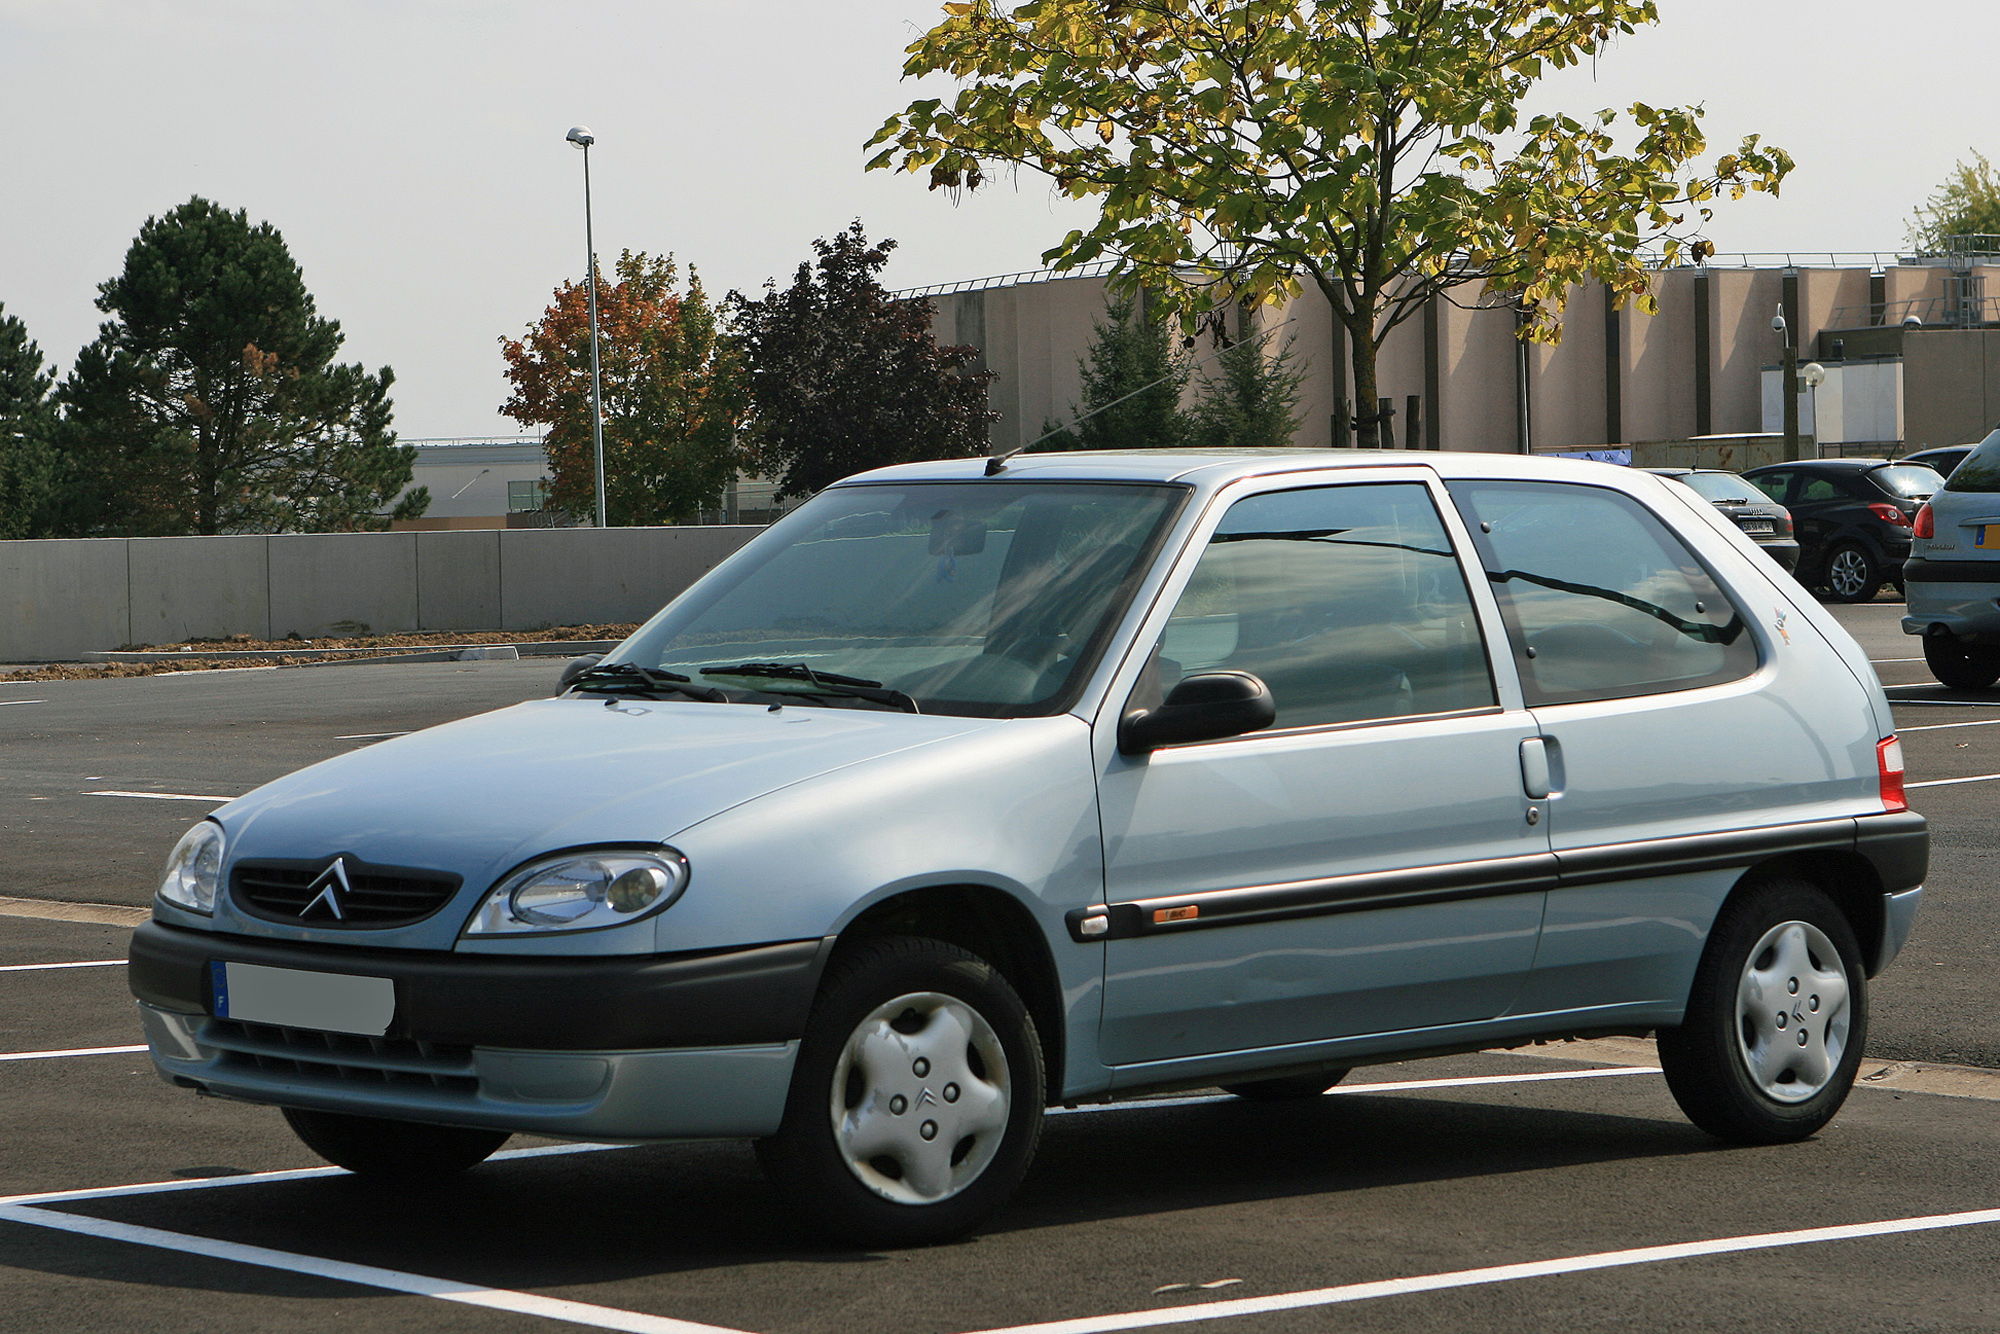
[
  {"x": 1287, "y": 1086},
  {"x": 917, "y": 1100},
  {"x": 1960, "y": 665},
  {"x": 1852, "y": 574},
  {"x": 407, "y": 1150},
  {"x": 1776, "y": 1019}
]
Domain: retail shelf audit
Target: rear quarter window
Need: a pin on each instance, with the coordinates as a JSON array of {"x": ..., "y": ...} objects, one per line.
[
  {"x": 1910, "y": 481},
  {"x": 1981, "y": 469},
  {"x": 1601, "y": 599}
]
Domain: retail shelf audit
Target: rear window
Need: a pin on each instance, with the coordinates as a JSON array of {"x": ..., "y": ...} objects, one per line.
[
  {"x": 1723, "y": 487},
  {"x": 1911, "y": 480},
  {"x": 1981, "y": 469}
]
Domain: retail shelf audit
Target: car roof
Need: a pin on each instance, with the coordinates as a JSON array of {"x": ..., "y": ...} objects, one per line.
[
  {"x": 1826, "y": 465},
  {"x": 1210, "y": 468}
]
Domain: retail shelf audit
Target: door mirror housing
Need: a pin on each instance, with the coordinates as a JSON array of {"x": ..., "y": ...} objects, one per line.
[
  {"x": 1205, "y": 707},
  {"x": 576, "y": 667}
]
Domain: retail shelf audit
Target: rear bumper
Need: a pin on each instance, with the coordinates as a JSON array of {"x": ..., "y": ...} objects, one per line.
[{"x": 1963, "y": 596}]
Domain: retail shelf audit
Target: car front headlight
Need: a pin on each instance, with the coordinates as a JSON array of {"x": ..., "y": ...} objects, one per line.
[
  {"x": 581, "y": 891},
  {"x": 194, "y": 869}
]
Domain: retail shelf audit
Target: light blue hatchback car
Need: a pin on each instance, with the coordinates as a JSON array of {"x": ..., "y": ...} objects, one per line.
[{"x": 969, "y": 788}]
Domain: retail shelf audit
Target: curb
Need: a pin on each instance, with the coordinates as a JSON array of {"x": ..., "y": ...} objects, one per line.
[{"x": 542, "y": 648}]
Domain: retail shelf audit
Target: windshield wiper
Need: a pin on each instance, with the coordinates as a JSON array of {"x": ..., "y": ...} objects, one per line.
[
  {"x": 820, "y": 683},
  {"x": 629, "y": 678}
]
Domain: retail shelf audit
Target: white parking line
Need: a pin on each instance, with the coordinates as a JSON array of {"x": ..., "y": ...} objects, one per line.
[
  {"x": 368, "y": 736},
  {"x": 1946, "y": 782},
  {"x": 1945, "y": 703},
  {"x": 1939, "y": 727},
  {"x": 5, "y": 702},
  {"x": 1879, "y": 662},
  {"x": 73, "y": 1051},
  {"x": 41, "y": 967},
  {"x": 157, "y": 796},
  {"x": 370, "y": 1276},
  {"x": 1468, "y": 1278}
]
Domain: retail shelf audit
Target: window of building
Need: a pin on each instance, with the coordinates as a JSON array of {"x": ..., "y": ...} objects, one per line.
[
  {"x": 1347, "y": 601},
  {"x": 1601, "y": 600},
  {"x": 523, "y": 497}
]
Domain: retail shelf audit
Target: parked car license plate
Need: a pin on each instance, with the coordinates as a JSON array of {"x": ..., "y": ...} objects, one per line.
[
  {"x": 1759, "y": 527},
  {"x": 331, "y": 1002},
  {"x": 1987, "y": 536}
]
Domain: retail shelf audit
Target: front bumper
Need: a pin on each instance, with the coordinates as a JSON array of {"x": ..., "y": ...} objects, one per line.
[{"x": 622, "y": 1049}]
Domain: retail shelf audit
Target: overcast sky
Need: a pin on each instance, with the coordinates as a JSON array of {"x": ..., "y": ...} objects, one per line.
[{"x": 412, "y": 151}]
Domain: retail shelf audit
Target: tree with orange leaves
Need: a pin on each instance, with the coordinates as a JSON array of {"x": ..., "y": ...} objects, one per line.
[{"x": 672, "y": 395}]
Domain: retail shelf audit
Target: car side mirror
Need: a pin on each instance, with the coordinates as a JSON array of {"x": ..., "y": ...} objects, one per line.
[
  {"x": 576, "y": 667},
  {"x": 1205, "y": 707}
]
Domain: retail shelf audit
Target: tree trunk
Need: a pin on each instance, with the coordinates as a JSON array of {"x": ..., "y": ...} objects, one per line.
[{"x": 1367, "y": 399}]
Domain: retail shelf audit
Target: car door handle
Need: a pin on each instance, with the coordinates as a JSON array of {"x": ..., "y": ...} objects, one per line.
[{"x": 1535, "y": 778}]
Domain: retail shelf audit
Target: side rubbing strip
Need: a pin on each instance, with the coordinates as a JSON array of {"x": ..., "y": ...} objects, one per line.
[{"x": 1897, "y": 845}]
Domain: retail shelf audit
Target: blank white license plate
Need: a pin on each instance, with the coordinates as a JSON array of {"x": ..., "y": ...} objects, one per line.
[{"x": 332, "y": 1002}]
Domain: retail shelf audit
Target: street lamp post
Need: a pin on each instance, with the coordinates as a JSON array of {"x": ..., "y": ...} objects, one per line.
[
  {"x": 582, "y": 137},
  {"x": 1790, "y": 389}
]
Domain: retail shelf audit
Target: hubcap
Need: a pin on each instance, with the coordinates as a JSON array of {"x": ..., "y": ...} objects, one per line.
[
  {"x": 1792, "y": 1013},
  {"x": 920, "y": 1098},
  {"x": 1847, "y": 573}
]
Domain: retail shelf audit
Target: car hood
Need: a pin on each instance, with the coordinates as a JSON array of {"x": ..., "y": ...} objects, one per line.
[{"x": 478, "y": 796}]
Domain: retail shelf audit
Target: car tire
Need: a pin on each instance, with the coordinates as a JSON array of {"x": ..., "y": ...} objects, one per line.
[
  {"x": 405, "y": 1150},
  {"x": 1960, "y": 665},
  {"x": 1776, "y": 1018},
  {"x": 1287, "y": 1087},
  {"x": 1852, "y": 574},
  {"x": 916, "y": 1103}
]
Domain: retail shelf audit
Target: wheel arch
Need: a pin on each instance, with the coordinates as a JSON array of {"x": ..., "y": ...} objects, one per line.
[
  {"x": 994, "y": 925},
  {"x": 1846, "y": 877}
]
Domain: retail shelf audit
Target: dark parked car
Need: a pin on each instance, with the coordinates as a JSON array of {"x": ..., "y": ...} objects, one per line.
[
  {"x": 1762, "y": 520},
  {"x": 1852, "y": 518},
  {"x": 1943, "y": 460}
]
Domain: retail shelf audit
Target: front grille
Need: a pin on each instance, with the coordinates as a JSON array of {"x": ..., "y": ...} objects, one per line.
[
  {"x": 367, "y": 896},
  {"x": 348, "y": 1058}
]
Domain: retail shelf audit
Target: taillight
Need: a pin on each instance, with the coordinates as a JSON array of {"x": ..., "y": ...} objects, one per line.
[
  {"x": 1889, "y": 766},
  {"x": 1926, "y": 525},
  {"x": 1784, "y": 522},
  {"x": 1888, "y": 513}
]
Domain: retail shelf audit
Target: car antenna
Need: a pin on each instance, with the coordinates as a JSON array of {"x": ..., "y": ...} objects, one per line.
[{"x": 998, "y": 462}]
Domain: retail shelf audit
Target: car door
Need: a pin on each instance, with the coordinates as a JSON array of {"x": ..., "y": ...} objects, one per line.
[
  {"x": 1368, "y": 863},
  {"x": 1686, "y": 740},
  {"x": 1822, "y": 509}
]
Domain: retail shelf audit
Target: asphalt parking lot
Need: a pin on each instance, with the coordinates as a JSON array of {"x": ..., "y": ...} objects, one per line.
[{"x": 1553, "y": 1189}]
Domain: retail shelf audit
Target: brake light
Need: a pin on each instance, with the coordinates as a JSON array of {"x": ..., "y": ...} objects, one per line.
[
  {"x": 1888, "y": 513},
  {"x": 1926, "y": 525},
  {"x": 1784, "y": 522},
  {"x": 1889, "y": 765}
]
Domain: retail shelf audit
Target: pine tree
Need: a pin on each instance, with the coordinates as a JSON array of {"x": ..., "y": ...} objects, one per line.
[
  {"x": 28, "y": 475},
  {"x": 1131, "y": 358},
  {"x": 210, "y": 401},
  {"x": 1248, "y": 399}
]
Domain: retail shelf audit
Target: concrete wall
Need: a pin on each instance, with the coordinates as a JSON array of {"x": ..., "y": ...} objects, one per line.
[
  {"x": 61, "y": 599},
  {"x": 1951, "y": 386}
]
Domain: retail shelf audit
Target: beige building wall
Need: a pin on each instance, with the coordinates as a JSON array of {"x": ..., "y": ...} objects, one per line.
[{"x": 1033, "y": 335}]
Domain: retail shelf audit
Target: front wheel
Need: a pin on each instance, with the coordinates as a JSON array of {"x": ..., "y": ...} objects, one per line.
[
  {"x": 402, "y": 1150},
  {"x": 1775, "y": 1022},
  {"x": 1960, "y": 665},
  {"x": 916, "y": 1104},
  {"x": 1852, "y": 574}
]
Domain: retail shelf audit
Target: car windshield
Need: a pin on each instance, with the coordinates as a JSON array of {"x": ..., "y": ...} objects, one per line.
[
  {"x": 1722, "y": 487},
  {"x": 1912, "y": 481},
  {"x": 983, "y": 599},
  {"x": 1980, "y": 470}
]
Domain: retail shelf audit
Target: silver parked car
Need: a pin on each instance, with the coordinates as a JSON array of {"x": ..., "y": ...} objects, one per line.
[
  {"x": 1952, "y": 579},
  {"x": 969, "y": 788}
]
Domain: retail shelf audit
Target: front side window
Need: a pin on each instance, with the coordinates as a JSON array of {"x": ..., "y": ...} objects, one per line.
[
  {"x": 1601, "y": 600},
  {"x": 983, "y": 599},
  {"x": 1347, "y": 601}
]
